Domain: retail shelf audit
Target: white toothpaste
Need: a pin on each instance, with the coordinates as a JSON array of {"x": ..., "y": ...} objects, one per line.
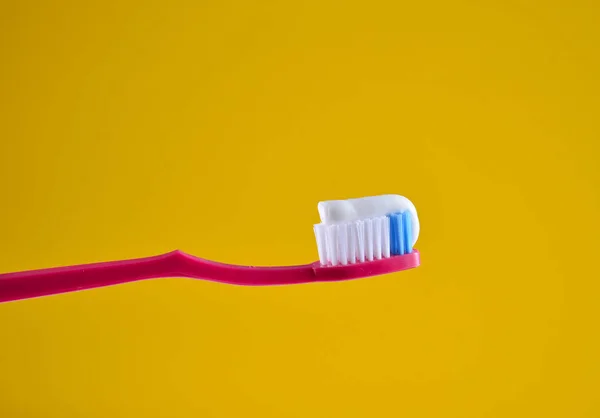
[{"x": 342, "y": 211}]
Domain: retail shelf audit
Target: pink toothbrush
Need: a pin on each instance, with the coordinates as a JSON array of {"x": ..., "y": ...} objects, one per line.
[{"x": 348, "y": 249}]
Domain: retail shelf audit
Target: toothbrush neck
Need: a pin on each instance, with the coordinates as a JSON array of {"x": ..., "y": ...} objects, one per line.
[{"x": 180, "y": 264}]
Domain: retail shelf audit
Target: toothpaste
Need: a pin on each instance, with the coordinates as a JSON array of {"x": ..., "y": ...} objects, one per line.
[{"x": 350, "y": 210}]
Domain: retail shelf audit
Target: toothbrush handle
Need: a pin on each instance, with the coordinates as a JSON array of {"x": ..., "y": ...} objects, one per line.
[{"x": 35, "y": 283}]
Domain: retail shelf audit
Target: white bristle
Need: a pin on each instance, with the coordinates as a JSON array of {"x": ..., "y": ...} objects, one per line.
[
  {"x": 386, "y": 237},
  {"x": 332, "y": 244},
  {"x": 320, "y": 235},
  {"x": 360, "y": 254},
  {"x": 377, "y": 237},
  {"x": 369, "y": 239},
  {"x": 352, "y": 241},
  {"x": 343, "y": 243}
]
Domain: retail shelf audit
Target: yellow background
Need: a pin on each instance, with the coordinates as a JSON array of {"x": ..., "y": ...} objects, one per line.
[{"x": 130, "y": 129}]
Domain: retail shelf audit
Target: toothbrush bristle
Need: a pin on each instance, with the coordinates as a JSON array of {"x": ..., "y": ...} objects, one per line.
[
  {"x": 400, "y": 233},
  {"x": 364, "y": 240}
]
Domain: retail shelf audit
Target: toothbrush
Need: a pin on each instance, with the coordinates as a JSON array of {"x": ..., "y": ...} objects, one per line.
[{"x": 356, "y": 238}]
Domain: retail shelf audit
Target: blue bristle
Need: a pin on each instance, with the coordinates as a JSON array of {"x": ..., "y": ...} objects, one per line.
[
  {"x": 393, "y": 234},
  {"x": 406, "y": 217},
  {"x": 400, "y": 233},
  {"x": 396, "y": 234}
]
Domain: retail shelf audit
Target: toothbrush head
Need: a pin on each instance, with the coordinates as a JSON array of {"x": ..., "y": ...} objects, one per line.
[{"x": 366, "y": 236}]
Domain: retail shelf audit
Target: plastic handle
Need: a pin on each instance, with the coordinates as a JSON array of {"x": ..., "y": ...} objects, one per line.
[{"x": 35, "y": 283}]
